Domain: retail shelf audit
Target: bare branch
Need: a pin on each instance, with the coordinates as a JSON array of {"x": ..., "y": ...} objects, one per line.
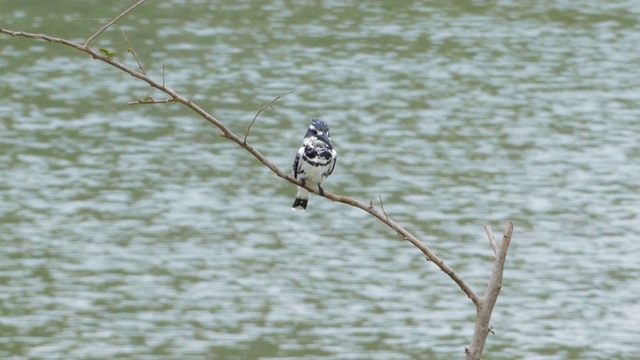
[
  {"x": 485, "y": 308},
  {"x": 260, "y": 110},
  {"x": 227, "y": 133},
  {"x": 92, "y": 37},
  {"x": 492, "y": 240}
]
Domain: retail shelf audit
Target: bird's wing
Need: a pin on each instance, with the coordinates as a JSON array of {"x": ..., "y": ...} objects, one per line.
[
  {"x": 333, "y": 164},
  {"x": 296, "y": 163}
]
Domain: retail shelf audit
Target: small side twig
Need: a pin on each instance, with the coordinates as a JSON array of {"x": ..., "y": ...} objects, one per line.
[
  {"x": 133, "y": 52},
  {"x": 102, "y": 29},
  {"x": 246, "y": 134},
  {"x": 382, "y": 207},
  {"x": 492, "y": 239},
  {"x": 384, "y": 212},
  {"x": 150, "y": 100}
]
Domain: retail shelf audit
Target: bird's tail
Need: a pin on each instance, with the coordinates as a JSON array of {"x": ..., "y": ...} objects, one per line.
[{"x": 302, "y": 198}]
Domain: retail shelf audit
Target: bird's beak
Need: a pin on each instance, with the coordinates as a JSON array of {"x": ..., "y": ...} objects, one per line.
[{"x": 325, "y": 139}]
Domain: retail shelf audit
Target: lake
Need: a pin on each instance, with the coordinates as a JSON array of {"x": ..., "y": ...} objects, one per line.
[{"x": 138, "y": 232}]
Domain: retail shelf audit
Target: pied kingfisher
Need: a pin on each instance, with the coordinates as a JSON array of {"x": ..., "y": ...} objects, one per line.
[{"x": 314, "y": 161}]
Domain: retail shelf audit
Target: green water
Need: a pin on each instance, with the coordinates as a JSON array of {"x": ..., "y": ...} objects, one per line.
[{"x": 137, "y": 232}]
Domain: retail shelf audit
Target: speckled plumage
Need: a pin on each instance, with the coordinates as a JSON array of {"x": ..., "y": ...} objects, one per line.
[{"x": 314, "y": 162}]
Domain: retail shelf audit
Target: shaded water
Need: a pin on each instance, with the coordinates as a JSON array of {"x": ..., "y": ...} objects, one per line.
[{"x": 137, "y": 232}]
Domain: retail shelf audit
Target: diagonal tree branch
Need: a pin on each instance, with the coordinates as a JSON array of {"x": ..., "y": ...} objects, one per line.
[{"x": 227, "y": 133}]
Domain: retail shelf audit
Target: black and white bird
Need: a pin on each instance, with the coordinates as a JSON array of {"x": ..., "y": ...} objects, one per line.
[{"x": 314, "y": 161}]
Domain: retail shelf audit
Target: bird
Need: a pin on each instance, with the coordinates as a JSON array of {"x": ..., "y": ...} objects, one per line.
[{"x": 314, "y": 161}]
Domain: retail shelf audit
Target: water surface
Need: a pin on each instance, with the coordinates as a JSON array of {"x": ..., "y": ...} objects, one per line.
[{"x": 137, "y": 232}]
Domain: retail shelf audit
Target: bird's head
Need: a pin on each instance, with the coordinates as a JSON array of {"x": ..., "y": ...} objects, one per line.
[{"x": 318, "y": 132}]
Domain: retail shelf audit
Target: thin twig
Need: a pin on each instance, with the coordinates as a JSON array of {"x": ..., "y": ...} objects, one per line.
[
  {"x": 92, "y": 37},
  {"x": 151, "y": 101},
  {"x": 387, "y": 216},
  {"x": 259, "y": 111},
  {"x": 382, "y": 207},
  {"x": 132, "y": 51},
  {"x": 492, "y": 239}
]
